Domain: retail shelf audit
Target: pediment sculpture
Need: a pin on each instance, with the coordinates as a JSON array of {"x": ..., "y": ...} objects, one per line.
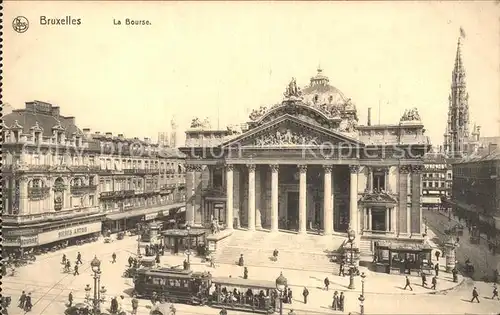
[
  {"x": 287, "y": 137},
  {"x": 292, "y": 90},
  {"x": 411, "y": 115},
  {"x": 233, "y": 129},
  {"x": 348, "y": 125},
  {"x": 258, "y": 113},
  {"x": 197, "y": 123}
]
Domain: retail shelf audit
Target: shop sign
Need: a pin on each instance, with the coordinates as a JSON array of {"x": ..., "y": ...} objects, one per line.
[
  {"x": 56, "y": 235},
  {"x": 19, "y": 232},
  {"x": 11, "y": 241},
  {"x": 150, "y": 216},
  {"x": 27, "y": 241}
]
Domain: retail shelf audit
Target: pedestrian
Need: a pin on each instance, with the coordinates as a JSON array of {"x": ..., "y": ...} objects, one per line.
[
  {"x": 67, "y": 268},
  {"x": 495, "y": 292},
  {"x": 76, "y": 270},
  {"x": 437, "y": 254},
  {"x": 212, "y": 261},
  {"x": 434, "y": 283},
  {"x": 436, "y": 269},
  {"x": 424, "y": 279},
  {"x": 70, "y": 299},
  {"x": 79, "y": 258},
  {"x": 335, "y": 301},
  {"x": 245, "y": 273},
  {"x": 223, "y": 311},
  {"x": 305, "y": 293},
  {"x": 113, "y": 307},
  {"x": 120, "y": 303},
  {"x": 327, "y": 283},
  {"x": 291, "y": 312},
  {"x": 64, "y": 259},
  {"x": 114, "y": 258},
  {"x": 341, "y": 301},
  {"x": 158, "y": 258},
  {"x": 241, "y": 261},
  {"x": 130, "y": 261},
  {"x": 341, "y": 269},
  {"x": 407, "y": 284},
  {"x": 185, "y": 264},
  {"x": 172, "y": 309},
  {"x": 290, "y": 295},
  {"x": 27, "y": 304},
  {"x": 22, "y": 300},
  {"x": 475, "y": 295},
  {"x": 135, "y": 305},
  {"x": 455, "y": 274}
]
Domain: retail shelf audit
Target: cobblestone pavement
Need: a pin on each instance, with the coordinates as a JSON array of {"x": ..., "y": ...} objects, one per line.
[
  {"x": 483, "y": 259},
  {"x": 50, "y": 287}
]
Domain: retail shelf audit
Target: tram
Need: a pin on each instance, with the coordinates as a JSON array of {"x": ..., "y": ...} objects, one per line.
[{"x": 200, "y": 288}]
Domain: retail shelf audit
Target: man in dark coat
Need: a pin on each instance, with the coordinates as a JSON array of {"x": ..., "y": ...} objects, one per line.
[
  {"x": 76, "y": 270},
  {"x": 495, "y": 292},
  {"x": 114, "y": 258},
  {"x": 135, "y": 305},
  {"x": 327, "y": 283},
  {"x": 341, "y": 268},
  {"x": 455, "y": 274},
  {"x": 22, "y": 300},
  {"x": 70, "y": 299},
  {"x": 305, "y": 293},
  {"x": 436, "y": 269},
  {"x": 290, "y": 295},
  {"x": 434, "y": 283},
  {"x": 79, "y": 258},
  {"x": 408, "y": 285},
  {"x": 245, "y": 273},
  {"x": 341, "y": 301},
  {"x": 424, "y": 280},
  {"x": 28, "y": 305},
  {"x": 475, "y": 295}
]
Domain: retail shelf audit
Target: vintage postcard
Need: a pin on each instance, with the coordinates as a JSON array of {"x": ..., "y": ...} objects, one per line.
[{"x": 233, "y": 158}]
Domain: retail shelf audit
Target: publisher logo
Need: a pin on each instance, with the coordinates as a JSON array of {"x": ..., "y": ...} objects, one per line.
[{"x": 20, "y": 24}]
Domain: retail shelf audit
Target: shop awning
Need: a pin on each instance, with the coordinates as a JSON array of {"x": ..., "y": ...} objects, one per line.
[{"x": 139, "y": 212}]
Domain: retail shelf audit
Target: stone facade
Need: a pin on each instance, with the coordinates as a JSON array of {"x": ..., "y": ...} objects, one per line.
[{"x": 305, "y": 164}]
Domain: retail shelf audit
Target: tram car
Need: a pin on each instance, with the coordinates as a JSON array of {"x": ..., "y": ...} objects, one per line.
[{"x": 200, "y": 288}]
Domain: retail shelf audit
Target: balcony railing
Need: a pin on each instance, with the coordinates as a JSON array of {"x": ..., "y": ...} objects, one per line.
[
  {"x": 38, "y": 193},
  {"x": 141, "y": 171},
  {"x": 80, "y": 190},
  {"x": 117, "y": 194},
  {"x": 47, "y": 216}
]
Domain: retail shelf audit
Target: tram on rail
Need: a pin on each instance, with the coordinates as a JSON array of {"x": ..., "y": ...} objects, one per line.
[{"x": 201, "y": 288}]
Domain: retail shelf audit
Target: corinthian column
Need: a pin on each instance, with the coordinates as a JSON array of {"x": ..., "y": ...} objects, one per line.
[
  {"x": 327, "y": 201},
  {"x": 251, "y": 197},
  {"x": 229, "y": 196},
  {"x": 303, "y": 199},
  {"x": 274, "y": 197},
  {"x": 353, "y": 198}
]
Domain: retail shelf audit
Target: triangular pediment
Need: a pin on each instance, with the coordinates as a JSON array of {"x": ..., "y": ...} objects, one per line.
[
  {"x": 378, "y": 198},
  {"x": 289, "y": 130}
]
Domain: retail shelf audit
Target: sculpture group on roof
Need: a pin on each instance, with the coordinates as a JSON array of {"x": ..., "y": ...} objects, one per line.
[
  {"x": 197, "y": 123},
  {"x": 258, "y": 113},
  {"x": 292, "y": 90},
  {"x": 411, "y": 115}
]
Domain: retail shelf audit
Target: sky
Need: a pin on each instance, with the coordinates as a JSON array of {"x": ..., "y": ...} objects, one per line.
[{"x": 221, "y": 60}]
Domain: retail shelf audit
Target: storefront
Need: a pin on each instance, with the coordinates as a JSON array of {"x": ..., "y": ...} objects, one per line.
[{"x": 69, "y": 232}]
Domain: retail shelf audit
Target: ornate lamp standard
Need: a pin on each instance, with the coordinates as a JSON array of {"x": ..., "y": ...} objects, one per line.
[
  {"x": 351, "y": 236},
  {"x": 363, "y": 276},
  {"x": 139, "y": 240},
  {"x": 361, "y": 299},
  {"x": 281, "y": 284},
  {"x": 96, "y": 301}
]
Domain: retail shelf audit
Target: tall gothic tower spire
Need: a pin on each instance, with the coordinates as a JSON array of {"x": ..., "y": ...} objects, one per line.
[
  {"x": 173, "y": 132},
  {"x": 457, "y": 127}
]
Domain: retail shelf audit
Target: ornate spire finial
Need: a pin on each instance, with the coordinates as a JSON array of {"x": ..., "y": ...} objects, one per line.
[{"x": 319, "y": 69}]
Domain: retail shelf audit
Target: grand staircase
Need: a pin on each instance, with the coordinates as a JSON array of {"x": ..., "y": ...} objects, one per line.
[{"x": 297, "y": 252}]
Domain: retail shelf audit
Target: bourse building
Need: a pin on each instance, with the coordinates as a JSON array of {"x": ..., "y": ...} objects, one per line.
[{"x": 305, "y": 164}]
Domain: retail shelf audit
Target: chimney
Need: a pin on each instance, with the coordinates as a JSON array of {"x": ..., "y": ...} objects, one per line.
[
  {"x": 97, "y": 133},
  {"x": 136, "y": 139},
  {"x": 55, "y": 111},
  {"x": 478, "y": 132},
  {"x": 86, "y": 132},
  {"x": 120, "y": 136},
  {"x": 109, "y": 134},
  {"x": 369, "y": 122},
  {"x": 147, "y": 140},
  {"x": 70, "y": 120},
  {"x": 492, "y": 147}
]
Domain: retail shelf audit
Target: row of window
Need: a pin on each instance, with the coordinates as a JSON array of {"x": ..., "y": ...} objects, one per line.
[{"x": 436, "y": 185}]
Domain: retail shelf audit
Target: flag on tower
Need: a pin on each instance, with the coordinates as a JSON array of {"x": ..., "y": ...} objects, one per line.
[{"x": 462, "y": 32}]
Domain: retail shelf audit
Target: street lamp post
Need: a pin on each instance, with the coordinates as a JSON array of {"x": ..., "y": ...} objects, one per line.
[
  {"x": 188, "y": 228},
  {"x": 281, "y": 284},
  {"x": 139, "y": 240},
  {"x": 351, "y": 235},
  {"x": 361, "y": 305},
  {"x": 363, "y": 276},
  {"x": 96, "y": 268}
]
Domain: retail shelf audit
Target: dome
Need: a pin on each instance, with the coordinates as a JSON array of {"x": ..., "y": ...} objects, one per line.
[{"x": 319, "y": 92}]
